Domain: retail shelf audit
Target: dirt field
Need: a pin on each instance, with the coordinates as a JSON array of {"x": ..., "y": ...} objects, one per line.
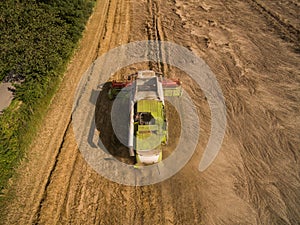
[{"x": 253, "y": 49}]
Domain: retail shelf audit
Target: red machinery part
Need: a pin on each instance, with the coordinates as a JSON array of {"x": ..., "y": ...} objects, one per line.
[
  {"x": 171, "y": 83},
  {"x": 120, "y": 85}
]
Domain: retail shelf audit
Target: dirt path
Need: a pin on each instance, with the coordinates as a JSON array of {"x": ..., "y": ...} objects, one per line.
[{"x": 252, "y": 49}]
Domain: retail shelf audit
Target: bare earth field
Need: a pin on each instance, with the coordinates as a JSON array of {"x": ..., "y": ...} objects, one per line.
[{"x": 253, "y": 49}]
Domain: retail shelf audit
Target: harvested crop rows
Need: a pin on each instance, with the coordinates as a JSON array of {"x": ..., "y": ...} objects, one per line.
[{"x": 253, "y": 49}]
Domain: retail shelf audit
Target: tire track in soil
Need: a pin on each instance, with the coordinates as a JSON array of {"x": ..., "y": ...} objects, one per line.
[
  {"x": 44, "y": 197},
  {"x": 286, "y": 30},
  {"x": 155, "y": 31},
  {"x": 153, "y": 34}
]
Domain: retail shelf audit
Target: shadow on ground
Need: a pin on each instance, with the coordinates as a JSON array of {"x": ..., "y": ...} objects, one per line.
[{"x": 104, "y": 126}]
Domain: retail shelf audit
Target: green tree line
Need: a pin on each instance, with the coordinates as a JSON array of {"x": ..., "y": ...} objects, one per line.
[{"x": 38, "y": 38}]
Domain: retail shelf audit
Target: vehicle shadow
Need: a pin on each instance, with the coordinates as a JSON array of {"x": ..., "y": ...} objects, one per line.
[{"x": 104, "y": 126}]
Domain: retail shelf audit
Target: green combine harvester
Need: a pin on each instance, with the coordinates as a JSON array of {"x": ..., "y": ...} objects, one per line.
[{"x": 148, "y": 126}]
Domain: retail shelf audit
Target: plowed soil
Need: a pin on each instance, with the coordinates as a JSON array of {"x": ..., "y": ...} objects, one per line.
[{"x": 253, "y": 49}]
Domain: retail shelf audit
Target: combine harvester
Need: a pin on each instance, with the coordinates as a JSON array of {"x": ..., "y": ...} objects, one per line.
[{"x": 148, "y": 126}]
